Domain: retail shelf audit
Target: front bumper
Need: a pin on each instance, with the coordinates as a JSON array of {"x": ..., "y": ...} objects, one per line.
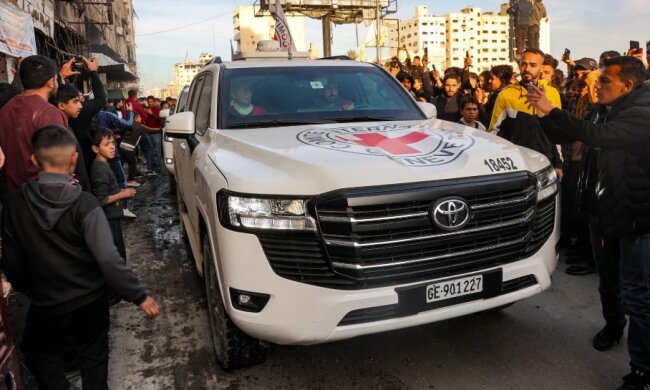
[{"x": 302, "y": 314}]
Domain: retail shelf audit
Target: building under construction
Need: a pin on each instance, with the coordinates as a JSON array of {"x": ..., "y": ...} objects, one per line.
[{"x": 62, "y": 29}]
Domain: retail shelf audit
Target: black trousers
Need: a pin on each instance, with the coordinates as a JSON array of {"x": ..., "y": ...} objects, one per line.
[
  {"x": 129, "y": 158},
  {"x": 46, "y": 334},
  {"x": 116, "y": 229},
  {"x": 574, "y": 223},
  {"x": 607, "y": 256}
]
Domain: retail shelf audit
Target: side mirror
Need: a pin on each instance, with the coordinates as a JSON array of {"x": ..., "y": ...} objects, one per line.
[
  {"x": 429, "y": 110},
  {"x": 180, "y": 125}
]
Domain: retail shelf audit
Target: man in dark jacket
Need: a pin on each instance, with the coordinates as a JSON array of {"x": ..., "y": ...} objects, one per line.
[
  {"x": 623, "y": 188},
  {"x": 55, "y": 250},
  {"x": 82, "y": 125}
]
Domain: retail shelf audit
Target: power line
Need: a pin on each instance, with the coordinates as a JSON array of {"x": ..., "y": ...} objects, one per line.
[{"x": 184, "y": 26}]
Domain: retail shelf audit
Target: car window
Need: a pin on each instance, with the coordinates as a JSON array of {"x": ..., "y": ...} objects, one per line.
[
  {"x": 182, "y": 100},
  {"x": 195, "y": 91},
  {"x": 202, "y": 121},
  {"x": 312, "y": 94}
]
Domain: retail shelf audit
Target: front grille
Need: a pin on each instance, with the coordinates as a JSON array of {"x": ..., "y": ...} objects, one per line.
[
  {"x": 379, "y": 313},
  {"x": 372, "y": 237}
]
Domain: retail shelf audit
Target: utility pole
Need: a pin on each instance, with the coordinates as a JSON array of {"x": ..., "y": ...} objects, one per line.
[
  {"x": 327, "y": 35},
  {"x": 378, "y": 31}
]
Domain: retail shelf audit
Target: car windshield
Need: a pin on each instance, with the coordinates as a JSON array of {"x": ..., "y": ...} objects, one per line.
[{"x": 285, "y": 96}]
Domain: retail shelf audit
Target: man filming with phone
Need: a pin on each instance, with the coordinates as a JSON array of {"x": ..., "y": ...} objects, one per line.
[
  {"x": 82, "y": 125},
  {"x": 514, "y": 120},
  {"x": 618, "y": 126}
]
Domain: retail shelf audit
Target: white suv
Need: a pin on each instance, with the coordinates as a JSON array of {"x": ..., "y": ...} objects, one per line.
[{"x": 321, "y": 202}]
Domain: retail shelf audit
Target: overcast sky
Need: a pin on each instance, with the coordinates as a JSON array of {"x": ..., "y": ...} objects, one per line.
[{"x": 587, "y": 27}]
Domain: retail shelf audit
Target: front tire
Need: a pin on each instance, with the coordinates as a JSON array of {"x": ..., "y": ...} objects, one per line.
[{"x": 232, "y": 347}]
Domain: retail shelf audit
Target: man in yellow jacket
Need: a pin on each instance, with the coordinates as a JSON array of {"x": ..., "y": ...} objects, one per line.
[{"x": 514, "y": 120}]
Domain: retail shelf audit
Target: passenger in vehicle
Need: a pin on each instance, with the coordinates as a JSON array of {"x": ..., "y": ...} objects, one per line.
[
  {"x": 330, "y": 99},
  {"x": 241, "y": 103}
]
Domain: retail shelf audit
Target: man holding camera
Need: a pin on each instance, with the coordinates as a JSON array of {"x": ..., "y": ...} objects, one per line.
[
  {"x": 618, "y": 126},
  {"x": 82, "y": 124}
]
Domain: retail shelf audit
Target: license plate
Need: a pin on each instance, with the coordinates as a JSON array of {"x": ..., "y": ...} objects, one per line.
[
  {"x": 440, "y": 293},
  {"x": 454, "y": 288}
]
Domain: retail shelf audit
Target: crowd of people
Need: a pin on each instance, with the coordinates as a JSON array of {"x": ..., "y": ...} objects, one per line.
[
  {"x": 591, "y": 125},
  {"x": 65, "y": 190},
  {"x": 64, "y": 194}
]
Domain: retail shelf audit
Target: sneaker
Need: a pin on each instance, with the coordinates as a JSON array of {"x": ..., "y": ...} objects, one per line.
[
  {"x": 608, "y": 337},
  {"x": 581, "y": 269},
  {"x": 128, "y": 214},
  {"x": 133, "y": 183},
  {"x": 151, "y": 173}
]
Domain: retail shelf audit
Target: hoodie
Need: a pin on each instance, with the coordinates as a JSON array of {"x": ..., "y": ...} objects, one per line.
[{"x": 55, "y": 247}]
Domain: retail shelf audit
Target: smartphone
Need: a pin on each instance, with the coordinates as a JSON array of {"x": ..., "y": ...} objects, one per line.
[
  {"x": 567, "y": 54},
  {"x": 530, "y": 89},
  {"x": 467, "y": 54},
  {"x": 635, "y": 45}
]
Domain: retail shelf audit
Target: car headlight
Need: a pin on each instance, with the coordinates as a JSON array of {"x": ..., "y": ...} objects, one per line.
[
  {"x": 547, "y": 185},
  {"x": 240, "y": 212}
]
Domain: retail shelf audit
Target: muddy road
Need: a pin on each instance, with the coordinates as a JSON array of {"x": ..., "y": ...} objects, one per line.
[{"x": 540, "y": 343}]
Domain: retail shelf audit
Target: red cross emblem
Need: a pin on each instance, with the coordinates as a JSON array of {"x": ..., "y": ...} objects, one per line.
[{"x": 399, "y": 145}]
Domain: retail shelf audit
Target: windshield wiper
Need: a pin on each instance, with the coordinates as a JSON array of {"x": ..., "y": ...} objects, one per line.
[
  {"x": 275, "y": 123},
  {"x": 362, "y": 119}
]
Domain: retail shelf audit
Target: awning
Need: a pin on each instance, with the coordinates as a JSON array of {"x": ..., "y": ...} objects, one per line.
[{"x": 115, "y": 71}]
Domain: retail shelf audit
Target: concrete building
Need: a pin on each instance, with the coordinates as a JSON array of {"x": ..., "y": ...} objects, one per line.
[
  {"x": 485, "y": 36},
  {"x": 185, "y": 71},
  {"x": 249, "y": 29},
  {"x": 422, "y": 31},
  {"x": 64, "y": 28},
  {"x": 448, "y": 38}
]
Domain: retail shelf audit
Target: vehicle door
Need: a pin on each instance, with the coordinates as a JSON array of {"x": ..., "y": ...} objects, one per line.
[{"x": 196, "y": 145}]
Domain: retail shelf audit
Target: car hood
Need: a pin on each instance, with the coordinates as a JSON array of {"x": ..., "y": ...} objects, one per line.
[{"x": 314, "y": 159}]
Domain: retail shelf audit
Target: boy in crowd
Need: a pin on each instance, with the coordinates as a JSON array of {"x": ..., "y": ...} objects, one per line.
[
  {"x": 469, "y": 108},
  {"x": 54, "y": 249},
  {"x": 105, "y": 186},
  {"x": 67, "y": 100}
]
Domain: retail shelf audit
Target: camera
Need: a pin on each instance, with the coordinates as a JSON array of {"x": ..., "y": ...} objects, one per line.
[{"x": 78, "y": 65}]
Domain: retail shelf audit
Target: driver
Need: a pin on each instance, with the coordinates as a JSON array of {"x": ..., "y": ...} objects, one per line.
[
  {"x": 241, "y": 101},
  {"x": 331, "y": 99}
]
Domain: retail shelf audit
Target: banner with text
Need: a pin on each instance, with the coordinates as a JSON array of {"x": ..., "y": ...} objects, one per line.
[
  {"x": 282, "y": 33},
  {"x": 17, "y": 32}
]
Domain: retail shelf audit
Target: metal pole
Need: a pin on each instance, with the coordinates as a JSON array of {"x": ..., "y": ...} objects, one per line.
[
  {"x": 356, "y": 31},
  {"x": 327, "y": 35},
  {"x": 378, "y": 32}
]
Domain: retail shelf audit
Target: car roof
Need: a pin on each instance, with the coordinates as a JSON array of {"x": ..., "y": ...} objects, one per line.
[{"x": 294, "y": 63}]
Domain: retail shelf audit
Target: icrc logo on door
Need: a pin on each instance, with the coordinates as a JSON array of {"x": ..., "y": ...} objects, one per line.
[{"x": 407, "y": 145}]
